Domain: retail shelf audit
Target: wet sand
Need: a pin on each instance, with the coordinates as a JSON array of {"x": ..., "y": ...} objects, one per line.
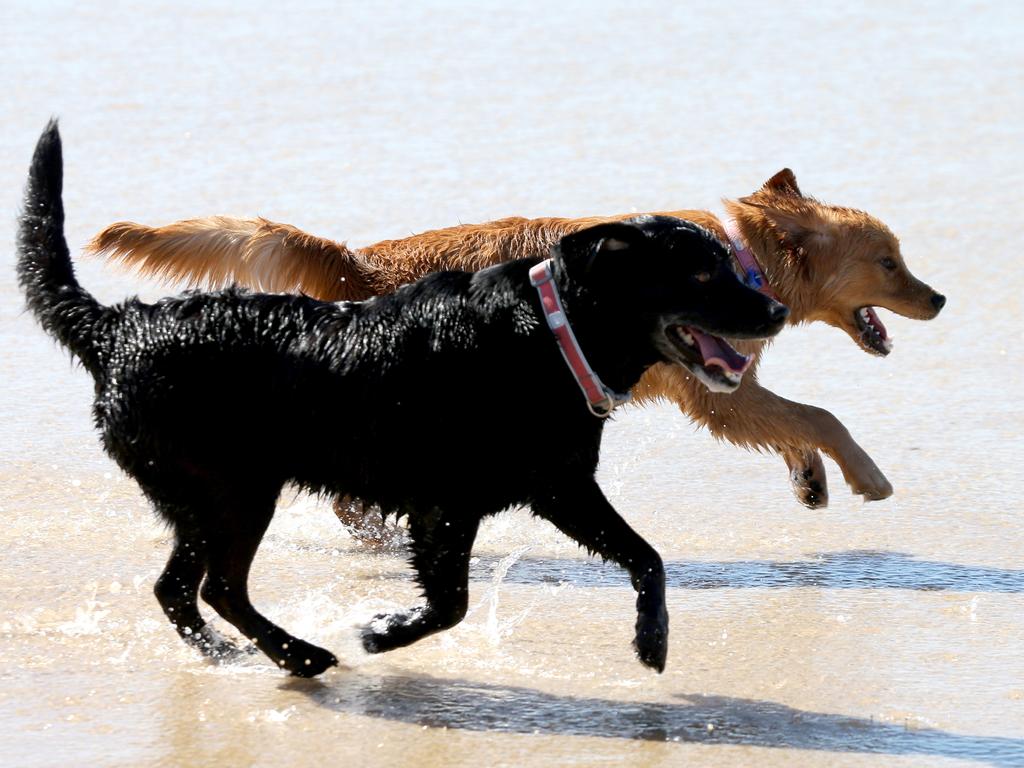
[{"x": 864, "y": 634}]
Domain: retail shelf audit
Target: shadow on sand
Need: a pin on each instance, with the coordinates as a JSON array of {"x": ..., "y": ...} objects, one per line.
[
  {"x": 857, "y": 569},
  {"x": 448, "y": 703}
]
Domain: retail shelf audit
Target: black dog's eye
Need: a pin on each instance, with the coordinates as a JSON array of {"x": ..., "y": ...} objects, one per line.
[
  {"x": 888, "y": 263},
  {"x": 702, "y": 277}
]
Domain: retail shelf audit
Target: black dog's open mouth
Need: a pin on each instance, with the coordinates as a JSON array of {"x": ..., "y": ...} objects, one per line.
[
  {"x": 710, "y": 358},
  {"x": 873, "y": 336}
]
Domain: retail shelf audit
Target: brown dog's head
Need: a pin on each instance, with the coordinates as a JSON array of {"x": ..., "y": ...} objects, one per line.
[{"x": 837, "y": 264}]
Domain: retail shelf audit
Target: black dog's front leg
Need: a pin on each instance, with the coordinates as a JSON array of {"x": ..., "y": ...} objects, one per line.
[
  {"x": 441, "y": 547},
  {"x": 581, "y": 511}
]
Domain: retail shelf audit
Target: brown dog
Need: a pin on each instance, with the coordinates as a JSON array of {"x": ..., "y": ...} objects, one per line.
[{"x": 825, "y": 262}]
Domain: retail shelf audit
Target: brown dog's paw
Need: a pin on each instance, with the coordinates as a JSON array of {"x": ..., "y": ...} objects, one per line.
[
  {"x": 863, "y": 475},
  {"x": 810, "y": 484},
  {"x": 877, "y": 489},
  {"x": 870, "y": 483}
]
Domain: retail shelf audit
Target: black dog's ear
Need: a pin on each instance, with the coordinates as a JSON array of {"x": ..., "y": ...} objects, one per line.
[{"x": 581, "y": 249}]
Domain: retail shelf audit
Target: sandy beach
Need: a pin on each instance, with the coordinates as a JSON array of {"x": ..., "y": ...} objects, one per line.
[{"x": 864, "y": 634}]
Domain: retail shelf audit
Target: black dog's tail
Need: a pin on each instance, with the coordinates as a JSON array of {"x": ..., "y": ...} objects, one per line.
[{"x": 60, "y": 304}]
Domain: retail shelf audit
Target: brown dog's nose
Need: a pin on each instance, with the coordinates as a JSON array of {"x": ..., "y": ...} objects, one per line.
[{"x": 938, "y": 301}]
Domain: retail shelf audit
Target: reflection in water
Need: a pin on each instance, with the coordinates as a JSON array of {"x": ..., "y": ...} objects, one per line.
[
  {"x": 449, "y": 703},
  {"x": 858, "y": 569}
]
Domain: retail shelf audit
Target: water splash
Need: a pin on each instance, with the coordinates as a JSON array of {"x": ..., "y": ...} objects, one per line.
[
  {"x": 272, "y": 715},
  {"x": 494, "y": 629},
  {"x": 88, "y": 617}
]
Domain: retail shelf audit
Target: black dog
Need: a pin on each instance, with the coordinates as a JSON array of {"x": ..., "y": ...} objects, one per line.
[{"x": 450, "y": 397}]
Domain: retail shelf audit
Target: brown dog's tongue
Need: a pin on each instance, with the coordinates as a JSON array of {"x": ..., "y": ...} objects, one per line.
[
  {"x": 875, "y": 321},
  {"x": 717, "y": 351}
]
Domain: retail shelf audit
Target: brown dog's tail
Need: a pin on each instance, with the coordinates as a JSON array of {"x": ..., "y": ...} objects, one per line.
[{"x": 218, "y": 251}]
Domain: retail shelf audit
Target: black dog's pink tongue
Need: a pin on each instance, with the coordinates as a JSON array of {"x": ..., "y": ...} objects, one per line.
[{"x": 717, "y": 351}]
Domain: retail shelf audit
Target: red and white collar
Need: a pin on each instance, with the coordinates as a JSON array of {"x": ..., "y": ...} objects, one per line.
[
  {"x": 600, "y": 399},
  {"x": 750, "y": 270}
]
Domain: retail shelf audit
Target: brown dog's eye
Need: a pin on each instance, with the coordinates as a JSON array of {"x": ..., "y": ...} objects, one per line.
[
  {"x": 702, "y": 277},
  {"x": 888, "y": 263}
]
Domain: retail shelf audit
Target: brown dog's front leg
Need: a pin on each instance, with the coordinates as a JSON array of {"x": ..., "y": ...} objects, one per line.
[
  {"x": 755, "y": 417},
  {"x": 860, "y": 471}
]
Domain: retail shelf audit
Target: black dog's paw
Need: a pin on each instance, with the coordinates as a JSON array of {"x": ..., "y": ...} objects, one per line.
[
  {"x": 304, "y": 659},
  {"x": 216, "y": 647},
  {"x": 373, "y": 642},
  {"x": 226, "y": 652},
  {"x": 651, "y": 641},
  {"x": 388, "y": 631},
  {"x": 374, "y": 635},
  {"x": 810, "y": 485}
]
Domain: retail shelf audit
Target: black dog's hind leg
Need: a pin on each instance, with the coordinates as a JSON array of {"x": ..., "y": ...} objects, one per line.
[
  {"x": 581, "y": 511},
  {"x": 441, "y": 549},
  {"x": 230, "y": 552},
  {"x": 177, "y": 590}
]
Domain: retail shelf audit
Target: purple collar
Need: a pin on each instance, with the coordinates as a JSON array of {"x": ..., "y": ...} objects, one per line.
[{"x": 750, "y": 270}]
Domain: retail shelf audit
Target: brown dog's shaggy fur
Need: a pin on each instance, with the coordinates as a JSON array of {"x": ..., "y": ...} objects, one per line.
[{"x": 825, "y": 262}]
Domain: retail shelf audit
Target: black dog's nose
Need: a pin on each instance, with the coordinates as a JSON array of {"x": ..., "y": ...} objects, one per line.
[
  {"x": 778, "y": 312},
  {"x": 938, "y": 301}
]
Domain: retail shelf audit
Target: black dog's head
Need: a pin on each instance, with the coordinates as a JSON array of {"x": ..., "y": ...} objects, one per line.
[{"x": 678, "y": 283}]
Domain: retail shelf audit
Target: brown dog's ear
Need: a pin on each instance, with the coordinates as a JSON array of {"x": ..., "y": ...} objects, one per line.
[
  {"x": 782, "y": 183},
  {"x": 795, "y": 228}
]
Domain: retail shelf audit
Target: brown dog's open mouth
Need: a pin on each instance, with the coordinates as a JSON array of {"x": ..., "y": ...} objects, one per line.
[
  {"x": 711, "y": 359},
  {"x": 873, "y": 336}
]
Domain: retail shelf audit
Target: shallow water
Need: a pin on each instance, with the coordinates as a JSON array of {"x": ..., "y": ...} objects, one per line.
[{"x": 865, "y": 634}]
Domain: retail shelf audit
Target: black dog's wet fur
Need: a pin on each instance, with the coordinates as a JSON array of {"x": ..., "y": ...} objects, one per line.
[{"x": 447, "y": 401}]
